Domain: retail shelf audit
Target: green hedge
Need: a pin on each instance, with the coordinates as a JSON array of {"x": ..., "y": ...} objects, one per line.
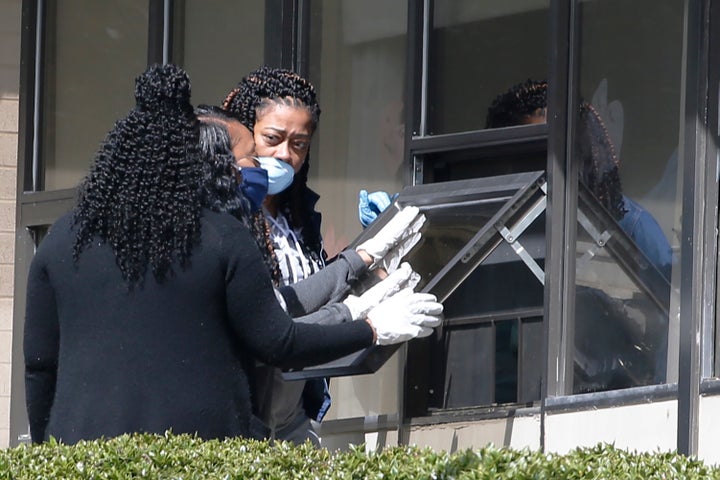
[{"x": 185, "y": 457}]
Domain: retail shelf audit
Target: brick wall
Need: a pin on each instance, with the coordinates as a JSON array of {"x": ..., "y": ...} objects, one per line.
[{"x": 9, "y": 88}]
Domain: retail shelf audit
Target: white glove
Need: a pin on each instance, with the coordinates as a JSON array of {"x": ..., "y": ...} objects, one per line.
[
  {"x": 401, "y": 231},
  {"x": 404, "y": 316},
  {"x": 403, "y": 277}
]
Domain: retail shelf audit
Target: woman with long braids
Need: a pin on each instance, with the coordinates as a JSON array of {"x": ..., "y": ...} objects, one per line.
[
  {"x": 282, "y": 110},
  {"x": 145, "y": 310}
]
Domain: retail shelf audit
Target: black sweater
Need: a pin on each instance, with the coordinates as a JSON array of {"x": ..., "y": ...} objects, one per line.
[{"x": 101, "y": 360}]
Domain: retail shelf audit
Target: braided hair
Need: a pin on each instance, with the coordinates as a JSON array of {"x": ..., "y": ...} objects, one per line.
[
  {"x": 266, "y": 87},
  {"x": 141, "y": 193},
  {"x": 599, "y": 164},
  {"x": 518, "y": 104},
  {"x": 220, "y": 186}
]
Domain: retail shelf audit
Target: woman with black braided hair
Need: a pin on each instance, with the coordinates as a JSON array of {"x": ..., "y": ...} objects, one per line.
[
  {"x": 282, "y": 110},
  {"x": 145, "y": 310}
]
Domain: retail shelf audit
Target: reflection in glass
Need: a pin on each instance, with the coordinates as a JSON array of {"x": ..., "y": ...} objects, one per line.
[
  {"x": 625, "y": 152},
  {"x": 489, "y": 350},
  {"x": 450, "y": 228},
  {"x": 477, "y": 50},
  {"x": 621, "y": 306},
  {"x": 217, "y": 42},
  {"x": 92, "y": 50}
]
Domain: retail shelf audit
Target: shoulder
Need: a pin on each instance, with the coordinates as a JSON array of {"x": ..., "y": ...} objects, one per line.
[
  {"x": 60, "y": 232},
  {"x": 227, "y": 236},
  {"x": 222, "y": 226},
  {"x": 56, "y": 247}
]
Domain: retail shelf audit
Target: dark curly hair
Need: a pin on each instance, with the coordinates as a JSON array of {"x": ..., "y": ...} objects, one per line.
[
  {"x": 594, "y": 148},
  {"x": 517, "y": 104},
  {"x": 262, "y": 88},
  {"x": 599, "y": 164},
  {"x": 141, "y": 195},
  {"x": 220, "y": 186}
]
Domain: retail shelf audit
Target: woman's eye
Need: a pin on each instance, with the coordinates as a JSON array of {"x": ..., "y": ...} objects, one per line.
[
  {"x": 271, "y": 138},
  {"x": 301, "y": 145}
]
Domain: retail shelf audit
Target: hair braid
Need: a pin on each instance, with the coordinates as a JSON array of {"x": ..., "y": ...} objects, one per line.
[
  {"x": 141, "y": 194},
  {"x": 599, "y": 168}
]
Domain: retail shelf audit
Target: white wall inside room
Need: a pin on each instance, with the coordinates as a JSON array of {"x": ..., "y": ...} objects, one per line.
[{"x": 647, "y": 427}]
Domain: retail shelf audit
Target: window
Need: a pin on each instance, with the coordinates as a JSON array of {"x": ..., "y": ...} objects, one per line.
[
  {"x": 217, "y": 42},
  {"x": 90, "y": 51},
  {"x": 477, "y": 51},
  {"x": 357, "y": 63},
  {"x": 490, "y": 350},
  {"x": 625, "y": 153}
]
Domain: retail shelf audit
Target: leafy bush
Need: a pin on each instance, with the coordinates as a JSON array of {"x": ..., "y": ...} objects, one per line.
[{"x": 186, "y": 457}]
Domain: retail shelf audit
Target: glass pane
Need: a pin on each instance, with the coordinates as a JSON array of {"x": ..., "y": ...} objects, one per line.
[
  {"x": 478, "y": 50},
  {"x": 477, "y": 163},
  {"x": 93, "y": 52},
  {"x": 357, "y": 64},
  {"x": 218, "y": 42},
  {"x": 625, "y": 149}
]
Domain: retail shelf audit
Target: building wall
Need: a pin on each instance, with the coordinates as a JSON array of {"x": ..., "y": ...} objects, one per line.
[
  {"x": 708, "y": 433},
  {"x": 10, "y": 11},
  {"x": 646, "y": 427}
]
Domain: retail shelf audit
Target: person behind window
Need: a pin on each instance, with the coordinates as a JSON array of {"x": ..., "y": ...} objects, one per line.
[
  {"x": 144, "y": 310},
  {"x": 526, "y": 103}
]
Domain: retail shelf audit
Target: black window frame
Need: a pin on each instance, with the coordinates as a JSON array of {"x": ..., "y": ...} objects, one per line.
[
  {"x": 420, "y": 146},
  {"x": 286, "y": 45},
  {"x": 700, "y": 199}
]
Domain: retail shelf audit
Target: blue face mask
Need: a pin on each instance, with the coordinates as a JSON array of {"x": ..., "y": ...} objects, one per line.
[
  {"x": 280, "y": 174},
  {"x": 254, "y": 185}
]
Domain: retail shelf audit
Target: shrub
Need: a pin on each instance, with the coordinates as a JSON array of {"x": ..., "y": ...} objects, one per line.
[{"x": 171, "y": 456}]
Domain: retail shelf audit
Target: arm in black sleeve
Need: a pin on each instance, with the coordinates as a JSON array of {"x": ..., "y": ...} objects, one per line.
[
  {"x": 263, "y": 326},
  {"x": 40, "y": 345},
  {"x": 329, "y": 285}
]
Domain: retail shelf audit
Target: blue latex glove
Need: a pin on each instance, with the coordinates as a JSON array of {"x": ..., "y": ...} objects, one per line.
[{"x": 370, "y": 205}]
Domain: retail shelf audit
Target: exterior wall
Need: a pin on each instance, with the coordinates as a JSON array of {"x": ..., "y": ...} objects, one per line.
[
  {"x": 518, "y": 432},
  {"x": 10, "y": 11},
  {"x": 646, "y": 427},
  {"x": 708, "y": 432}
]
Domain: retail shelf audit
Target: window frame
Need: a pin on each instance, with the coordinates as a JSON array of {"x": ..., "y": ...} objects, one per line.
[
  {"x": 700, "y": 171},
  {"x": 287, "y": 45},
  {"x": 418, "y": 145}
]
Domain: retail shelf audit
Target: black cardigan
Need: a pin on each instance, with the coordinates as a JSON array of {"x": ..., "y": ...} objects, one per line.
[{"x": 101, "y": 360}]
